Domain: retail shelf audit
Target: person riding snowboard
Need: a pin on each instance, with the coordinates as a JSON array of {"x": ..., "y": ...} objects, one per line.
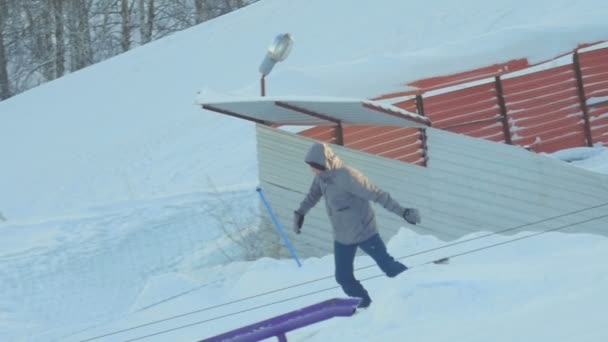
[{"x": 347, "y": 194}]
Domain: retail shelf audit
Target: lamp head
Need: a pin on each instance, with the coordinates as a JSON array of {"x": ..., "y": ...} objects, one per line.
[
  {"x": 281, "y": 47},
  {"x": 277, "y": 51}
]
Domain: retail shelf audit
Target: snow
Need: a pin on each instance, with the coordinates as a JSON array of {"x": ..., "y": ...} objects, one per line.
[
  {"x": 591, "y": 158},
  {"x": 594, "y": 47},
  {"x": 598, "y": 100},
  {"x": 557, "y": 62},
  {"x": 118, "y": 189}
]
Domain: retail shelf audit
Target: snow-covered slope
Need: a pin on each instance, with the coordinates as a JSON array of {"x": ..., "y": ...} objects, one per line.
[{"x": 128, "y": 128}]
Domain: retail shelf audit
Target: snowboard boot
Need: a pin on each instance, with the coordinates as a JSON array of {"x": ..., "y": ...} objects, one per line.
[
  {"x": 397, "y": 269},
  {"x": 365, "y": 302}
]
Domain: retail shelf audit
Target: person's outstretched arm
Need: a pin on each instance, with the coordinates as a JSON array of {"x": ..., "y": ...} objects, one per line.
[{"x": 359, "y": 185}]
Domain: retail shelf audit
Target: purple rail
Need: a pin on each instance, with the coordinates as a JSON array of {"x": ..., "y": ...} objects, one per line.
[{"x": 280, "y": 325}]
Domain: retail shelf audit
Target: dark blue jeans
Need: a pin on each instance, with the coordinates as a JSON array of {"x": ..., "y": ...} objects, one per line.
[{"x": 344, "y": 256}]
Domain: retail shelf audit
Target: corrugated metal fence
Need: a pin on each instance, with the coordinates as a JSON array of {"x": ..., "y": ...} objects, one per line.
[
  {"x": 400, "y": 143},
  {"x": 547, "y": 107}
]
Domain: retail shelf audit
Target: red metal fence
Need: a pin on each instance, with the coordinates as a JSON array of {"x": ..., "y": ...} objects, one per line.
[
  {"x": 544, "y": 108},
  {"x": 594, "y": 74},
  {"x": 399, "y": 143}
]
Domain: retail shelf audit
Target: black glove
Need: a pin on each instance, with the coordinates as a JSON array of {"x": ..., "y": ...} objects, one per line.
[
  {"x": 411, "y": 215},
  {"x": 298, "y": 221}
]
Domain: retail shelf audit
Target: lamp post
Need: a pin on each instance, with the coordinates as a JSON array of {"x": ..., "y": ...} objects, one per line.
[{"x": 277, "y": 51}]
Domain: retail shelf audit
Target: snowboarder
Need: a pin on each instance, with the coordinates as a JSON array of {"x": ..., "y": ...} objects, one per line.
[{"x": 347, "y": 194}]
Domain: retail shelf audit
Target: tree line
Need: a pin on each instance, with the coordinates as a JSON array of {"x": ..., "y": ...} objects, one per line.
[{"x": 41, "y": 40}]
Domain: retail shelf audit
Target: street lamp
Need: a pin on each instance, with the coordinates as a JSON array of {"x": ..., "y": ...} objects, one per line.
[{"x": 277, "y": 51}]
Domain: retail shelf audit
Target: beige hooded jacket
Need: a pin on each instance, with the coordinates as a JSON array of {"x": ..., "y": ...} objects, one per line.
[{"x": 347, "y": 194}]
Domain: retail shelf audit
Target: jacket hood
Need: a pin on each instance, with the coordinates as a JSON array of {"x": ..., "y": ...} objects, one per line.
[{"x": 322, "y": 154}]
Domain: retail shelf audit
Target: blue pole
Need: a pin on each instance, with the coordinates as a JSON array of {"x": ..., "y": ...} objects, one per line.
[{"x": 279, "y": 227}]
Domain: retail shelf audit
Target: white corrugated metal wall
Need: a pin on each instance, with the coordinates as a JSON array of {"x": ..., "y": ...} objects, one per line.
[{"x": 470, "y": 185}]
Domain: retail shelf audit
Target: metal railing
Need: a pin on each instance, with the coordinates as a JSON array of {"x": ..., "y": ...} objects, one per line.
[{"x": 280, "y": 325}]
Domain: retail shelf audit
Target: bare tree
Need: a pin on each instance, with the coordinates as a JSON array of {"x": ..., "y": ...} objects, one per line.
[
  {"x": 141, "y": 9},
  {"x": 5, "y": 89},
  {"x": 231, "y": 5},
  {"x": 105, "y": 19},
  {"x": 57, "y": 10},
  {"x": 209, "y": 9},
  {"x": 146, "y": 20},
  {"x": 81, "y": 51},
  {"x": 126, "y": 8},
  {"x": 174, "y": 16},
  {"x": 237, "y": 221},
  {"x": 40, "y": 45},
  {"x": 150, "y": 21},
  {"x": 200, "y": 11},
  {"x": 41, "y": 40}
]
